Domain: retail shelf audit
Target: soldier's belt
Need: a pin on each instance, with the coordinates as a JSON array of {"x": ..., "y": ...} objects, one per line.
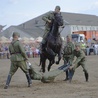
[
  {"x": 67, "y": 54},
  {"x": 16, "y": 53}
]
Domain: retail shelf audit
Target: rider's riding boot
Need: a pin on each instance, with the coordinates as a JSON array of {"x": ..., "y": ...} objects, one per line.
[
  {"x": 86, "y": 76},
  {"x": 54, "y": 54},
  {"x": 42, "y": 46},
  {"x": 29, "y": 79},
  {"x": 8, "y": 81},
  {"x": 67, "y": 78}
]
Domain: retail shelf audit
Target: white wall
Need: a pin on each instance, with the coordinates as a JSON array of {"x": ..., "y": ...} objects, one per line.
[
  {"x": 83, "y": 28},
  {"x": 66, "y": 31}
]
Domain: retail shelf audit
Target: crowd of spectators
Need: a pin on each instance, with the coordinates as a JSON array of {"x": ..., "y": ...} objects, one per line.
[
  {"x": 90, "y": 47},
  {"x": 4, "y": 52},
  {"x": 32, "y": 50}
]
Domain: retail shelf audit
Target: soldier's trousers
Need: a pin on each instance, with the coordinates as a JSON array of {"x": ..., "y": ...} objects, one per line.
[
  {"x": 13, "y": 68},
  {"x": 15, "y": 65},
  {"x": 66, "y": 60},
  {"x": 83, "y": 65},
  {"x": 84, "y": 69}
]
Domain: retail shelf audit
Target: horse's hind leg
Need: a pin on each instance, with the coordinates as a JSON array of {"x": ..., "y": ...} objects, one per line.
[
  {"x": 43, "y": 65},
  {"x": 51, "y": 62},
  {"x": 59, "y": 58},
  {"x": 40, "y": 63},
  {"x": 49, "y": 66}
]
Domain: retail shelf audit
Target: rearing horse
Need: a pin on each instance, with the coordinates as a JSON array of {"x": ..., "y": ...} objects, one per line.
[{"x": 54, "y": 44}]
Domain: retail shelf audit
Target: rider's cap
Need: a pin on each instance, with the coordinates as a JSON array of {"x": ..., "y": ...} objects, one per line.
[
  {"x": 57, "y": 7},
  {"x": 16, "y": 34}
]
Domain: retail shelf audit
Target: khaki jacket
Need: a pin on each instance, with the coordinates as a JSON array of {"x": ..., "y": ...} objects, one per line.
[
  {"x": 17, "y": 51},
  {"x": 80, "y": 56},
  {"x": 46, "y": 17},
  {"x": 68, "y": 50}
]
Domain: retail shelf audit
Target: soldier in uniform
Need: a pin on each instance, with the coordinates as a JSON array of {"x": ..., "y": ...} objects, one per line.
[
  {"x": 48, "y": 24},
  {"x": 80, "y": 60},
  {"x": 18, "y": 59},
  {"x": 48, "y": 76},
  {"x": 68, "y": 53}
]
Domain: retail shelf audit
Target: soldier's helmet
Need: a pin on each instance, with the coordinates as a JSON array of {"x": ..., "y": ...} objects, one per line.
[
  {"x": 15, "y": 34},
  {"x": 58, "y": 7}
]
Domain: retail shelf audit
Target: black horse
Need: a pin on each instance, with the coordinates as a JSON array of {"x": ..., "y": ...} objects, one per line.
[{"x": 53, "y": 45}]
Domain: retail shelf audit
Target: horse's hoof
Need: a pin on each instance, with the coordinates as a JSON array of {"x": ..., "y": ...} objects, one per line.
[
  {"x": 48, "y": 68},
  {"x": 57, "y": 62}
]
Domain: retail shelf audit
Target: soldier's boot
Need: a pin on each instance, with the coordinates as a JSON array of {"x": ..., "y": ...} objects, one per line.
[
  {"x": 67, "y": 78},
  {"x": 86, "y": 76},
  {"x": 70, "y": 74},
  {"x": 29, "y": 79},
  {"x": 8, "y": 82},
  {"x": 42, "y": 47}
]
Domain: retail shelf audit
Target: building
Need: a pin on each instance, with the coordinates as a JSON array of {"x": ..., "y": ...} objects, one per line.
[
  {"x": 81, "y": 24},
  {"x": 74, "y": 23}
]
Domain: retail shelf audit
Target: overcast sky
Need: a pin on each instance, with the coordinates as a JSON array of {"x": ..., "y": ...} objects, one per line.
[{"x": 15, "y": 12}]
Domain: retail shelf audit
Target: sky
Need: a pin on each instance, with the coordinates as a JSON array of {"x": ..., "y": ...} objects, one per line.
[{"x": 15, "y": 12}]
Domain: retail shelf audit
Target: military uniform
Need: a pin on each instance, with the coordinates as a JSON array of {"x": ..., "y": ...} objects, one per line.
[
  {"x": 48, "y": 76},
  {"x": 48, "y": 25},
  {"x": 80, "y": 60},
  {"x": 68, "y": 55},
  {"x": 17, "y": 58},
  {"x": 48, "y": 16}
]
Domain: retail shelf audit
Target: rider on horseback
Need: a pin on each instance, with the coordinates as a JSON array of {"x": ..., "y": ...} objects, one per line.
[{"x": 48, "y": 19}]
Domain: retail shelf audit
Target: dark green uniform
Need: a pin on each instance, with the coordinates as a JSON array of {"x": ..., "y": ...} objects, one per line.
[
  {"x": 46, "y": 17},
  {"x": 48, "y": 76},
  {"x": 68, "y": 54},
  {"x": 17, "y": 58},
  {"x": 80, "y": 60}
]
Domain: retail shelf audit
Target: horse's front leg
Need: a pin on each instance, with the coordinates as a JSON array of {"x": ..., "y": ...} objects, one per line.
[
  {"x": 52, "y": 54},
  {"x": 50, "y": 64},
  {"x": 43, "y": 65},
  {"x": 59, "y": 58}
]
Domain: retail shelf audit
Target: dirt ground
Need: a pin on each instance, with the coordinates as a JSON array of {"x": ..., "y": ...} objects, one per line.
[{"x": 58, "y": 89}]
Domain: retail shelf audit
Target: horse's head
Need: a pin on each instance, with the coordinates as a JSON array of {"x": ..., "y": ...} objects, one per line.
[{"x": 58, "y": 19}]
